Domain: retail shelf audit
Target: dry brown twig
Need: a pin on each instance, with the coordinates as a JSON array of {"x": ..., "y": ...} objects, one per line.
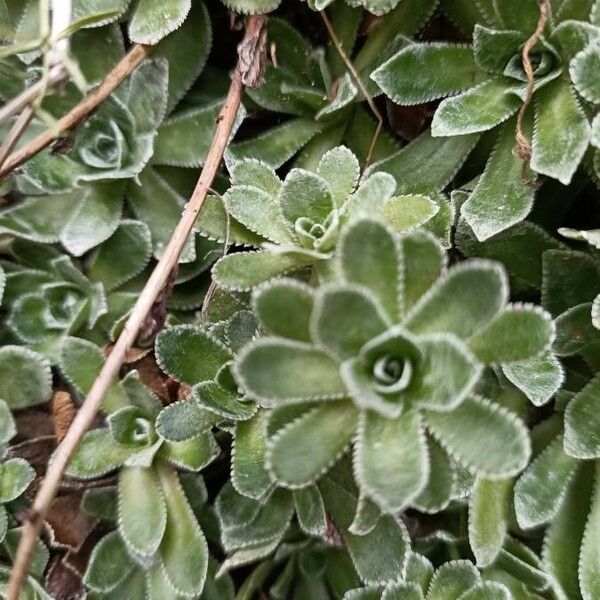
[
  {"x": 523, "y": 148},
  {"x": 357, "y": 78},
  {"x": 250, "y": 54}
]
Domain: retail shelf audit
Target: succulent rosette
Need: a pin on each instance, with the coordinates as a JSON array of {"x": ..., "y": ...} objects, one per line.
[{"x": 387, "y": 358}]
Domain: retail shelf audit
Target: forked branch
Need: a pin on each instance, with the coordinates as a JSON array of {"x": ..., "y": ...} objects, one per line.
[{"x": 247, "y": 73}]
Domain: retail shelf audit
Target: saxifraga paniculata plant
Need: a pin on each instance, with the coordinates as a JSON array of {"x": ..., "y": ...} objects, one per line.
[{"x": 373, "y": 374}]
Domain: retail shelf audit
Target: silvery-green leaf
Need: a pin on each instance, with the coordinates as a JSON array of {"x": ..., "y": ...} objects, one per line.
[
  {"x": 109, "y": 564},
  {"x": 249, "y": 475},
  {"x": 340, "y": 168},
  {"x": 419, "y": 570},
  {"x": 159, "y": 206},
  {"x": 581, "y": 423},
  {"x": 498, "y": 444},
  {"x": 184, "y": 420},
  {"x": 453, "y": 579},
  {"x": 223, "y": 402},
  {"x": 488, "y": 590},
  {"x": 539, "y": 378},
  {"x": 589, "y": 569},
  {"x": 424, "y": 72},
  {"x": 193, "y": 41},
  {"x": 345, "y": 318},
  {"x": 488, "y": 515},
  {"x": 467, "y": 298},
  {"x": 442, "y": 484},
  {"x": 15, "y": 476},
  {"x": 562, "y": 132},
  {"x": 183, "y": 549},
  {"x": 190, "y": 354},
  {"x": 251, "y": 7},
  {"x": 259, "y": 212},
  {"x": 493, "y": 49},
  {"x": 275, "y": 146},
  {"x": 310, "y": 511},
  {"x": 402, "y": 591},
  {"x": 562, "y": 542},
  {"x": 8, "y": 428},
  {"x": 427, "y": 164},
  {"x": 391, "y": 460},
  {"x": 539, "y": 498},
  {"x": 499, "y": 199},
  {"x": 366, "y": 516},
  {"x": 405, "y": 213},
  {"x": 97, "y": 454},
  {"x": 80, "y": 363},
  {"x": 152, "y": 20},
  {"x": 280, "y": 371},
  {"x": 192, "y": 454},
  {"x": 479, "y": 109},
  {"x": 242, "y": 271},
  {"x": 584, "y": 73},
  {"x": 122, "y": 256},
  {"x": 25, "y": 377},
  {"x": 522, "y": 16},
  {"x": 184, "y": 139},
  {"x": 305, "y": 195},
  {"x": 142, "y": 512},
  {"x": 284, "y": 307},
  {"x": 305, "y": 448},
  {"x": 518, "y": 332}
]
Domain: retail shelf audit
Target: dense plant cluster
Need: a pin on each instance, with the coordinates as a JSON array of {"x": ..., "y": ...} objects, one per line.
[{"x": 374, "y": 372}]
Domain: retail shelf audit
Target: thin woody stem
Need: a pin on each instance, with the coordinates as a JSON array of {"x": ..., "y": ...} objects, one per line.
[
  {"x": 248, "y": 72},
  {"x": 79, "y": 113},
  {"x": 359, "y": 83}
]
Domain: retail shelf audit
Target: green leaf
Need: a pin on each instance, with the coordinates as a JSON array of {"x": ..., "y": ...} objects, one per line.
[
  {"x": 345, "y": 318},
  {"x": 427, "y": 164},
  {"x": 258, "y": 211},
  {"x": 123, "y": 256},
  {"x": 184, "y": 420},
  {"x": 8, "y": 428},
  {"x": 15, "y": 476},
  {"x": 183, "y": 550},
  {"x": 582, "y": 422},
  {"x": 279, "y": 371},
  {"x": 584, "y": 73},
  {"x": 186, "y": 51},
  {"x": 307, "y": 447},
  {"x": 424, "y": 72},
  {"x": 539, "y": 498},
  {"x": 497, "y": 445},
  {"x": 339, "y": 167},
  {"x": 562, "y": 132},
  {"x": 249, "y": 475},
  {"x": 81, "y": 362},
  {"x": 539, "y": 378},
  {"x": 192, "y": 454},
  {"x": 405, "y": 213},
  {"x": 589, "y": 569},
  {"x": 441, "y": 487},
  {"x": 488, "y": 514},
  {"x": 152, "y": 20},
  {"x": 244, "y": 270},
  {"x": 500, "y": 199},
  {"x": 283, "y": 307},
  {"x": 391, "y": 459},
  {"x": 305, "y": 195},
  {"x": 190, "y": 354},
  {"x": 275, "y": 146},
  {"x": 488, "y": 590},
  {"x": 225, "y": 403},
  {"x": 419, "y": 570},
  {"x": 402, "y": 591},
  {"x": 452, "y": 580},
  {"x": 562, "y": 543},
  {"x": 370, "y": 256},
  {"x": 95, "y": 218},
  {"x": 184, "y": 139},
  {"x": 518, "y": 332},
  {"x": 25, "y": 377},
  {"x": 467, "y": 298},
  {"x": 159, "y": 206},
  {"x": 310, "y": 511},
  {"x": 109, "y": 564},
  {"x": 479, "y": 109},
  {"x": 494, "y": 49},
  {"x": 97, "y": 454},
  {"x": 142, "y": 512},
  {"x": 252, "y": 7}
]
